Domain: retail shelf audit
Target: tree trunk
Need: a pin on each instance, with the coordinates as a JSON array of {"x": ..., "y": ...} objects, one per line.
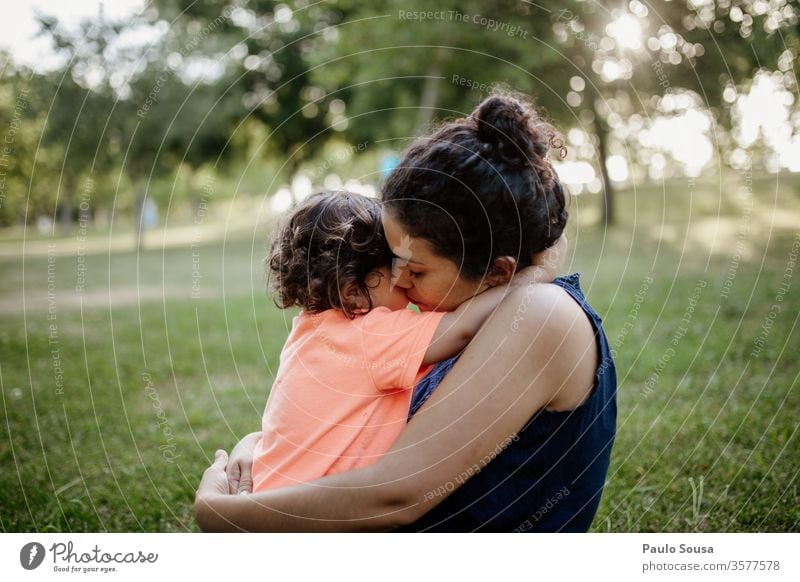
[
  {"x": 608, "y": 216},
  {"x": 430, "y": 92},
  {"x": 138, "y": 210},
  {"x": 65, "y": 208}
]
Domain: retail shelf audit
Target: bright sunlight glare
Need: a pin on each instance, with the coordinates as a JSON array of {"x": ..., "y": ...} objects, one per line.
[{"x": 626, "y": 31}]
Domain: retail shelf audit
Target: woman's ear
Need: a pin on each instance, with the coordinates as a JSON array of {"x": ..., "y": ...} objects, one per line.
[{"x": 502, "y": 271}]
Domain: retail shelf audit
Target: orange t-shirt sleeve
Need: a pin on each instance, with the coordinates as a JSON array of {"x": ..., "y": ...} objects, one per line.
[{"x": 394, "y": 344}]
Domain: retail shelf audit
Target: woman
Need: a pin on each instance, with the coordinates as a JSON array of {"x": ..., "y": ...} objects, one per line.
[{"x": 516, "y": 433}]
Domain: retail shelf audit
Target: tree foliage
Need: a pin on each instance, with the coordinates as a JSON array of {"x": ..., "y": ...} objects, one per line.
[{"x": 218, "y": 82}]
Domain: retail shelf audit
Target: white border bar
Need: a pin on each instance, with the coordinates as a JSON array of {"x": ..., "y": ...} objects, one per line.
[{"x": 405, "y": 557}]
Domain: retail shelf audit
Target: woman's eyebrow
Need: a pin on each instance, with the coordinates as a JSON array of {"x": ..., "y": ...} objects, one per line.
[
  {"x": 407, "y": 259},
  {"x": 415, "y": 262}
]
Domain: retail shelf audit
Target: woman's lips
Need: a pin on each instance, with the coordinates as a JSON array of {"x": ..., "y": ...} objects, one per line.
[{"x": 422, "y": 306}]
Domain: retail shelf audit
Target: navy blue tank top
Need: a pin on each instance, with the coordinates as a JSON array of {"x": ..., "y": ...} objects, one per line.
[{"x": 550, "y": 478}]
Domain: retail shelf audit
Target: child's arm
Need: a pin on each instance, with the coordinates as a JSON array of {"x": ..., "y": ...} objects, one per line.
[{"x": 458, "y": 327}]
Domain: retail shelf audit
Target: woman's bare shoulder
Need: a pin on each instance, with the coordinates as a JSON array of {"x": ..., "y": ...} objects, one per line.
[
  {"x": 544, "y": 304},
  {"x": 553, "y": 323}
]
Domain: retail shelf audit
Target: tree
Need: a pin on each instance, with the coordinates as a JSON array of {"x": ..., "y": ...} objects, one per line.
[
  {"x": 166, "y": 125},
  {"x": 595, "y": 63},
  {"x": 80, "y": 102},
  {"x": 21, "y": 106},
  {"x": 263, "y": 49},
  {"x": 399, "y": 68},
  {"x": 629, "y": 58},
  {"x": 131, "y": 107}
]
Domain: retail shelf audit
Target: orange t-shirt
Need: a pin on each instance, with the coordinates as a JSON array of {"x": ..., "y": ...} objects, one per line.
[{"x": 342, "y": 393}]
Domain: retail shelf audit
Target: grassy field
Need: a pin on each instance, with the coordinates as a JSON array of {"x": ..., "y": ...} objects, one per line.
[{"x": 115, "y": 397}]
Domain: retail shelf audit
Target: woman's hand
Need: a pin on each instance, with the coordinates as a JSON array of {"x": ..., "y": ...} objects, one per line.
[
  {"x": 240, "y": 464},
  {"x": 213, "y": 484},
  {"x": 215, "y": 480}
]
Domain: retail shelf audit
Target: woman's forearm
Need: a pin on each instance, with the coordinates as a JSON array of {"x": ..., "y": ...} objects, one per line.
[{"x": 344, "y": 502}]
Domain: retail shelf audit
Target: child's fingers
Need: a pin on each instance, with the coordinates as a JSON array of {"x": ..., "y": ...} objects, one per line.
[
  {"x": 245, "y": 481},
  {"x": 233, "y": 472}
]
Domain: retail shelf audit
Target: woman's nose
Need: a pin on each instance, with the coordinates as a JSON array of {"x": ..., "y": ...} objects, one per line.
[{"x": 400, "y": 276}]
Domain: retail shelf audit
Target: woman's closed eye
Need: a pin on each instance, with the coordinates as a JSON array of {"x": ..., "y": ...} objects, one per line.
[{"x": 415, "y": 274}]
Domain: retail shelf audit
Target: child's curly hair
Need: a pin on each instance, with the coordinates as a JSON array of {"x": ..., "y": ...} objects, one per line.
[{"x": 333, "y": 240}]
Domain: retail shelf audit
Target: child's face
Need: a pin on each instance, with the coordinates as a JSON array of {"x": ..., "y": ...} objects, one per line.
[{"x": 383, "y": 293}]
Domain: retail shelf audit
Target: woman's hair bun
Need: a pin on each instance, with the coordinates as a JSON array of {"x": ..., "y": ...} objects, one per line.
[
  {"x": 513, "y": 129},
  {"x": 482, "y": 186}
]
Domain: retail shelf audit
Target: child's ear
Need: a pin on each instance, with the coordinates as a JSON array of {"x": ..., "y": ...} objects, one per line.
[
  {"x": 502, "y": 271},
  {"x": 353, "y": 296}
]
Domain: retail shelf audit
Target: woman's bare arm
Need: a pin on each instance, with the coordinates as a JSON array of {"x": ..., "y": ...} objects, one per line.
[{"x": 537, "y": 350}]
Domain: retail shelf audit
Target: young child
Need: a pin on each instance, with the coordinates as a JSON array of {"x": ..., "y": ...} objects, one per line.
[{"x": 342, "y": 392}]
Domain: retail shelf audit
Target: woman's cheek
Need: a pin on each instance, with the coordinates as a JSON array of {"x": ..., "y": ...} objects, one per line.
[{"x": 423, "y": 293}]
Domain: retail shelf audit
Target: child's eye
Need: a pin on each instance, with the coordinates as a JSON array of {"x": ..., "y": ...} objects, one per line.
[{"x": 415, "y": 274}]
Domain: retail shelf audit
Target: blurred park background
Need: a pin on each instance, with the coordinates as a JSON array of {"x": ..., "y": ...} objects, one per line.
[{"x": 148, "y": 148}]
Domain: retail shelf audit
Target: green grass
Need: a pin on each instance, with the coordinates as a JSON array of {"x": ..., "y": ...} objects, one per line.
[{"x": 711, "y": 444}]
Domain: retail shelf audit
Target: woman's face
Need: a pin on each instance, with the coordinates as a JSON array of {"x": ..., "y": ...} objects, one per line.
[{"x": 430, "y": 281}]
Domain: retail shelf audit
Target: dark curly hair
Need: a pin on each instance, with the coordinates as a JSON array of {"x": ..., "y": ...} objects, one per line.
[
  {"x": 331, "y": 241},
  {"x": 482, "y": 187}
]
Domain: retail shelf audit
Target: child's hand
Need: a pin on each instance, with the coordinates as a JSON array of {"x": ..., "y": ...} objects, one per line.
[{"x": 239, "y": 469}]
